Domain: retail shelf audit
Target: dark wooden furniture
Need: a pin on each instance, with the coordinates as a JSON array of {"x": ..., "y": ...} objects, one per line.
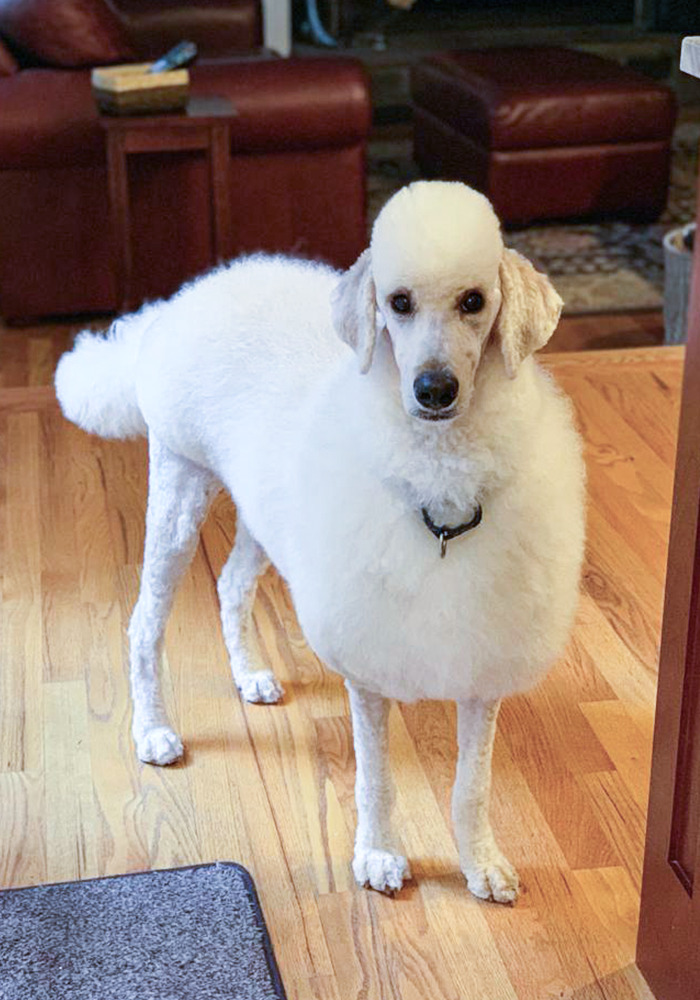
[
  {"x": 296, "y": 176},
  {"x": 668, "y": 948},
  {"x": 545, "y": 132},
  {"x": 204, "y": 126}
]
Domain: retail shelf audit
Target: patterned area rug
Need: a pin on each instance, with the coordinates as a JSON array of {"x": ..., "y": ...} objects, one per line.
[{"x": 596, "y": 267}]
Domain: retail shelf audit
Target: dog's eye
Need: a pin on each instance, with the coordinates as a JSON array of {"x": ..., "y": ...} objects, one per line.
[
  {"x": 471, "y": 302},
  {"x": 401, "y": 303}
]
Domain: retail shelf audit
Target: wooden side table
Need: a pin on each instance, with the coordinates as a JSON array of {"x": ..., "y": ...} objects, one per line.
[{"x": 203, "y": 125}]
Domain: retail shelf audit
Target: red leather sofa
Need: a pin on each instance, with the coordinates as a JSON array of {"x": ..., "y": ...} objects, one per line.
[{"x": 297, "y": 152}]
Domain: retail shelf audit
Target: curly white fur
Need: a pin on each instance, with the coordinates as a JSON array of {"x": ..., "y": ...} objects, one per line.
[
  {"x": 96, "y": 381},
  {"x": 240, "y": 380}
]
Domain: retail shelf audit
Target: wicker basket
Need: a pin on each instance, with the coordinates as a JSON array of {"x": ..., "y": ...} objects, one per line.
[{"x": 132, "y": 90}]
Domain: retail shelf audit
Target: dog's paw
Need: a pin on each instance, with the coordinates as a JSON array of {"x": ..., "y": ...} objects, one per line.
[
  {"x": 260, "y": 686},
  {"x": 159, "y": 746},
  {"x": 490, "y": 875},
  {"x": 381, "y": 870}
]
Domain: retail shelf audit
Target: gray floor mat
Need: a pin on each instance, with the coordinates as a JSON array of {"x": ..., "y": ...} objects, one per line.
[{"x": 184, "y": 934}]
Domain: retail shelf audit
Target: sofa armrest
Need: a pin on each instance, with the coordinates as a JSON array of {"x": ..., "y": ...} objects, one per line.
[{"x": 49, "y": 119}]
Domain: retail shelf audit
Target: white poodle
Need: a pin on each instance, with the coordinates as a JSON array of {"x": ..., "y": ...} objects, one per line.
[{"x": 424, "y": 505}]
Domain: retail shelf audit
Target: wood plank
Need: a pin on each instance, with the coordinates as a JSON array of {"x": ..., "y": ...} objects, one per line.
[
  {"x": 613, "y": 897},
  {"x": 22, "y": 845},
  {"x": 63, "y": 622},
  {"x": 638, "y": 358},
  {"x": 626, "y": 731},
  {"x": 72, "y": 828},
  {"x": 631, "y": 679},
  {"x": 21, "y": 640},
  {"x": 621, "y": 816},
  {"x": 19, "y": 399},
  {"x": 615, "y": 577},
  {"x": 603, "y": 332},
  {"x": 568, "y": 811}
]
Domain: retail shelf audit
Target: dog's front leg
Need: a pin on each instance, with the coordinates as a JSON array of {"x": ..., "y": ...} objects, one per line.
[
  {"x": 489, "y": 874},
  {"x": 376, "y": 862}
]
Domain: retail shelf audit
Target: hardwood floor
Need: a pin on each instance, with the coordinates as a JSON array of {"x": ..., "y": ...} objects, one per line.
[
  {"x": 271, "y": 787},
  {"x": 607, "y": 332}
]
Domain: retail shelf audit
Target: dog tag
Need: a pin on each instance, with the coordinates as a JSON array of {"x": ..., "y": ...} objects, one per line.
[{"x": 445, "y": 534}]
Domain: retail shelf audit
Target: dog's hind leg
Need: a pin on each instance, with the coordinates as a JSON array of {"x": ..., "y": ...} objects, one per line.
[
  {"x": 376, "y": 862},
  {"x": 179, "y": 493},
  {"x": 237, "y": 585},
  {"x": 489, "y": 874}
]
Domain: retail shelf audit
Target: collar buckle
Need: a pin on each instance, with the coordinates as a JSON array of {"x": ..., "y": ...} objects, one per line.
[{"x": 445, "y": 534}]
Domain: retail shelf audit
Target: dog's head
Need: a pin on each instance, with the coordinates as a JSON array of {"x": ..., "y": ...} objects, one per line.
[{"x": 439, "y": 283}]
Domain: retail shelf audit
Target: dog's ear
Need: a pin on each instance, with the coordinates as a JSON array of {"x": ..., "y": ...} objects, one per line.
[
  {"x": 354, "y": 305},
  {"x": 529, "y": 313}
]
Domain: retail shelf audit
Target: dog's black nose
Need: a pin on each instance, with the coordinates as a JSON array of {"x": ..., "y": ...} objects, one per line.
[{"x": 436, "y": 390}]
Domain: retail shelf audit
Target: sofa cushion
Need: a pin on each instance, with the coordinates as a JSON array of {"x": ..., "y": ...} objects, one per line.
[
  {"x": 533, "y": 98},
  {"x": 296, "y": 103},
  {"x": 64, "y": 32},
  {"x": 8, "y": 65}
]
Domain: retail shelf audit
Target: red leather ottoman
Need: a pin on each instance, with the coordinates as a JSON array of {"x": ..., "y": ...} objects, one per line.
[{"x": 545, "y": 132}]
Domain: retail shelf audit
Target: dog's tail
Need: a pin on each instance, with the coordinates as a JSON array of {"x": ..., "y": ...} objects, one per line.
[{"x": 96, "y": 381}]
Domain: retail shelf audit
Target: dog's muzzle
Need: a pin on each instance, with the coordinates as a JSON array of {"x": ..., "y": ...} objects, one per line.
[{"x": 435, "y": 392}]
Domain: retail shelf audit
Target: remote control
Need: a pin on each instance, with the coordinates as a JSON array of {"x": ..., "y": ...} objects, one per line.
[{"x": 181, "y": 55}]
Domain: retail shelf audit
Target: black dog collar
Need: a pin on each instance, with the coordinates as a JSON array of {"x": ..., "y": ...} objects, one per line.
[{"x": 445, "y": 534}]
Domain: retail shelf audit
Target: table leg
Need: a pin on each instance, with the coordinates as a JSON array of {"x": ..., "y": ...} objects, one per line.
[
  {"x": 219, "y": 165},
  {"x": 121, "y": 222}
]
